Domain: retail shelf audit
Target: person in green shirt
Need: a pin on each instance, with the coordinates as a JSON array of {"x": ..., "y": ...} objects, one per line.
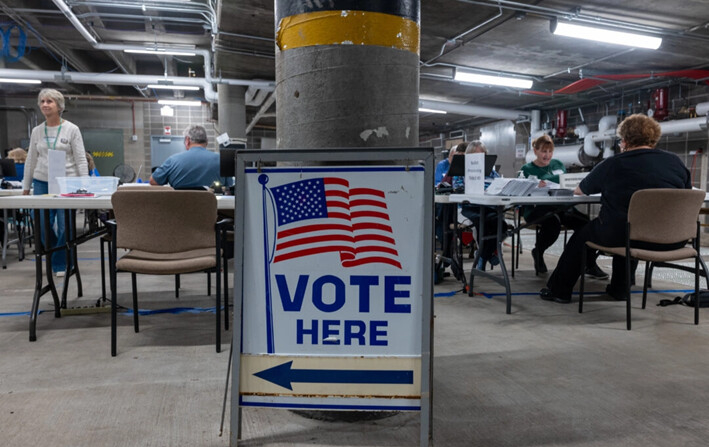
[{"x": 551, "y": 218}]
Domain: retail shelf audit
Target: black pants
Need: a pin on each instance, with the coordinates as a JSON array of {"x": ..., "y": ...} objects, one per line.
[
  {"x": 445, "y": 217},
  {"x": 490, "y": 245},
  {"x": 550, "y": 226},
  {"x": 568, "y": 269}
]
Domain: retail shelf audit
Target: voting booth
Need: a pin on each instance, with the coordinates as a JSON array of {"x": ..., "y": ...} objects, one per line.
[{"x": 333, "y": 281}]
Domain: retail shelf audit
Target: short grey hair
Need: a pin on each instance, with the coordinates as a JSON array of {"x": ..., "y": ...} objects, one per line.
[
  {"x": 52, "y": 94},
  {"x": 197, "y": 134},
  {"x": 475, "y": 144}
]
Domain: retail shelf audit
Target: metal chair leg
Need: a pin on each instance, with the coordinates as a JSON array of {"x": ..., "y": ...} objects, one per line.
[{"x": 135, "y": 301}]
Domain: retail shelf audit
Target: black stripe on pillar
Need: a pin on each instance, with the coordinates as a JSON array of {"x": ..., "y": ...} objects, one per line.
[{"x": 408, "y": 9}]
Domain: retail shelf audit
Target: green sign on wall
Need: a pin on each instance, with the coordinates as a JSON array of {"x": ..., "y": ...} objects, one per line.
[{"x": 106, "y": 146}]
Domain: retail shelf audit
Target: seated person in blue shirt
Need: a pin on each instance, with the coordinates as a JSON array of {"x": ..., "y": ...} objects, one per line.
[
  {"x": 93, "y": 172},
  {"x": 19, "y": 156},
  {"x": 472, "y": 212},
  {"x": 442, "y": 167},
  {"x": 197, "y": 168},
  {"x": 447, "y": 182}
]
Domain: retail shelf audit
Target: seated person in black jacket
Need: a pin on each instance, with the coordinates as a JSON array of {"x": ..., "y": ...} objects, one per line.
[{"x": 638, "y": 166}]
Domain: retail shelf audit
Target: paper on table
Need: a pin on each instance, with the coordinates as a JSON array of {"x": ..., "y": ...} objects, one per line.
[
  {"x": 57, "y": 168},
  {"x": 474, "y": 173},
  {"x": 496, "y": 186}
]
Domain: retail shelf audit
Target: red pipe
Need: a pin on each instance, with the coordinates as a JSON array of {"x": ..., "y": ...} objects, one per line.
[{"x": 561, "y": 116}]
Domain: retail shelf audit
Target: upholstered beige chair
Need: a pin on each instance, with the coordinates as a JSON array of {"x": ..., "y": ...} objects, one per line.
[
  {"x": 166, "y": 233},
  {"x": 658, "y": 216},
  {"x": 105, "y": 240}
]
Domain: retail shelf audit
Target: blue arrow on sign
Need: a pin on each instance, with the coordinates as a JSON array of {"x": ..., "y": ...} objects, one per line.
[{"x": 283, "y": 375}]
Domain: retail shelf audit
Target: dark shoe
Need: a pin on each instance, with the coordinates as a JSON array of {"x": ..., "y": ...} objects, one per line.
[
  {"x": 618, "y": 295},
  {"x": 539, "y": 265},
  {"x": 594, "y": 271},
  {"x": 547, "y": 295}
]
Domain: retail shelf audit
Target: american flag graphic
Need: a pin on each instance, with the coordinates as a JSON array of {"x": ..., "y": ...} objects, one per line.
[{"x": 323, "y": 215}]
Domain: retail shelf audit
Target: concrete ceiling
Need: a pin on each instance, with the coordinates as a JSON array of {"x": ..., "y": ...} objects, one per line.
[{"x": 486, "y": 35}]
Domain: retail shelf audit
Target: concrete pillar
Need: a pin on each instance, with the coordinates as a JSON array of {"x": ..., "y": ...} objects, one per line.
[
  {"x": 347, "y": 73},
  {"x": 232, "y": 110}
]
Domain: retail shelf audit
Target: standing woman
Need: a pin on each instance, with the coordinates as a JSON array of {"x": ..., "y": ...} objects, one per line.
[
  {"x": 550, "y": 218},
  {"x": 55, "y": 134}
]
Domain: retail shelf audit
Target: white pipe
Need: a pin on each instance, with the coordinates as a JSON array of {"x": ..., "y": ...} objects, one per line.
[
  {"x": 688, "y": 125},
  {"x": 605, "y": 132},
  {"x": 702, "y": 108},
  {"x": 209, "y": 93},
  {"x": 536, "y": 120},
  {"x": 63, "y": 7},
  {"x": 125, "y": 79},
  {"x": 581, "y": 130},
  {"x": 589, "y": 145},
  {"x": 473, "y": 110},
  {"x": 606, "y": 123}
]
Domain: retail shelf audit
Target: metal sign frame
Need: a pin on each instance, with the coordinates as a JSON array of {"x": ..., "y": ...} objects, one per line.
[{"x": 342, "y": 158}]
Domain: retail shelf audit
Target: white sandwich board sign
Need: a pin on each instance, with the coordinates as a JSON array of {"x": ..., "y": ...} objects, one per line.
[{"x": 333, "y": 285}]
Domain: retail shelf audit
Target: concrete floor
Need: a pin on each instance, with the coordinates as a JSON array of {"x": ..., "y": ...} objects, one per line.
[{"x": 543, "y": 376}]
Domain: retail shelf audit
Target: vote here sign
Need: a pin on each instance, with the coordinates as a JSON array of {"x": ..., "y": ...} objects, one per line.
[{"x": 332, "y": 287}]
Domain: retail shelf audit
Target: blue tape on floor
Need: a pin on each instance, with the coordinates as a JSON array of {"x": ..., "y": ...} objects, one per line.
[
  {"x": 172, "y": 310},
  {"x": 16, "y": 314},
  {"x": 446, "y": 294},
  {"x": 197, "y": 310},
  {"x": 649, "y": 291},
  {"x": 80, "y": 259}
]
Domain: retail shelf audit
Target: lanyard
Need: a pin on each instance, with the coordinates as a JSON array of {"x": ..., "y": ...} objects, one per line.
[{"x": 56, "y": 138}]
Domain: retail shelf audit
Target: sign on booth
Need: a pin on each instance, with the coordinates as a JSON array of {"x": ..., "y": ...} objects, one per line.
[{"x": 332, "y": 300}]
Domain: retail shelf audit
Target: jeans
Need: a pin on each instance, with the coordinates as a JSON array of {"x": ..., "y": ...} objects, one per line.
[{"x": 57, "y": 236}]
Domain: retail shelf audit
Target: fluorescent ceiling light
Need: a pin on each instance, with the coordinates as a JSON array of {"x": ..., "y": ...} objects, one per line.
[
  {"x": 161, "y": 52},
  {"x": 176, "y": 102},
  {"x": 605, "y": 35},
  {"x": 423, "y": 109},
  {"x": 19, "y": 81},
  {"x": 464, "y": 76},
  {"x": 173, "y": 87}
]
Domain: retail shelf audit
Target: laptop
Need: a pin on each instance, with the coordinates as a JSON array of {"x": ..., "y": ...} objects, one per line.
[
  {"x": 7, "y": 168},
  {"x": 457, "y": 168}
]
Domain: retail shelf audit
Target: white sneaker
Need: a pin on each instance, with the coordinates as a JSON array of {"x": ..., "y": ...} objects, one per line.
[{"x": 60, "y": 274}]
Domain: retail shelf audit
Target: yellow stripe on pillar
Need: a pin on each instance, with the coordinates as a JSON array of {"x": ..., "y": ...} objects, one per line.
[{"x": 348, "y": 28}]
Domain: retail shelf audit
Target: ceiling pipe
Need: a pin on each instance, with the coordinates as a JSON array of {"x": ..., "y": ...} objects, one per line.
[
  {"x": 126, "y": 79},
  {"x": 460, "y": 36},
  {"x": 205, "y": 83},
  {"x": 473, "y": 110},
  {"x": 210, "y": 94},
  {"x": 572, "y": 155},
  {"x": 687, "y": 125},
  {"x": 63, "y": 7},
  {"x": 584, "y": 18}
]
